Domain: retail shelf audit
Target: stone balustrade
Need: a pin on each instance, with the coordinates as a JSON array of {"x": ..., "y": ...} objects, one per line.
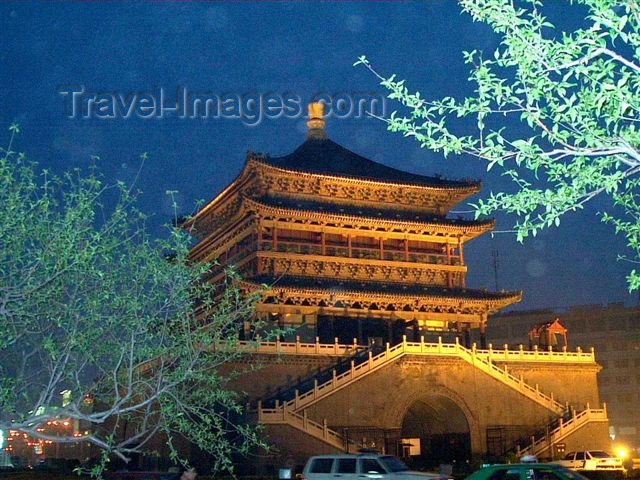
[{"x": 421, "y": 348}]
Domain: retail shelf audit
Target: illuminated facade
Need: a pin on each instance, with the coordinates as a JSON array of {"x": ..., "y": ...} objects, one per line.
[
  {"x": 351, "y": 248},
  {"x": 363, "y": 261}
]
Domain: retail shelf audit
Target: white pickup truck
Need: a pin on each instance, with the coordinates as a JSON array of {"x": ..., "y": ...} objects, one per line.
[{"x": 591, "y": 460}]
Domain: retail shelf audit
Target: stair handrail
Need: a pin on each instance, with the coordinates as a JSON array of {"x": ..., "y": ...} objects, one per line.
[
  {"x": 517, "y": 382},
  {"x": 565, "y": 427},
  {"x": 318, "y": 430},
  {"x": 391, "y": 353},
  {"x": 352, "y": 355}
]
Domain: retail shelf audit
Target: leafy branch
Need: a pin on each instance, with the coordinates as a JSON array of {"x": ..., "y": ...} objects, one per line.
[{"x": 576, "y": 93}]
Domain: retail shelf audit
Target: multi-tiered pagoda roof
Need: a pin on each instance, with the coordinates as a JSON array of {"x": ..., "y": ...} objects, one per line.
[{"x": 336, "y": 235}]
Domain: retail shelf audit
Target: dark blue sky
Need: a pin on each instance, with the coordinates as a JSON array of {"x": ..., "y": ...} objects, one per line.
[{"x": 302, "y": 47}]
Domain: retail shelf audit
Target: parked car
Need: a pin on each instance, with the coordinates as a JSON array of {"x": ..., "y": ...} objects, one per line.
[
  {"x": 591, "y": 460},
  {"x": 526, "y": 471},
  {"x": 362, "y": 465}
]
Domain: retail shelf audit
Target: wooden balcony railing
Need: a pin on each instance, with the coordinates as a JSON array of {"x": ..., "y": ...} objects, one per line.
[{"x": 357, "y": 251}]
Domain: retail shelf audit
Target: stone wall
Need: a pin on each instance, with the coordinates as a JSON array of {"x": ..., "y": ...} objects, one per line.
[
  {"x": 576, "y": 384},
  {"x": 261, "y": 375},
  {"x": 292, "y": 448}
]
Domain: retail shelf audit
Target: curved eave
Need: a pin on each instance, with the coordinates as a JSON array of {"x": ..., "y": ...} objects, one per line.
[
  {"x": 499, "y": 299},
  {"x": 461, "y": 191},
  {"x": 470, "y": 231},
  {"x": 219, "y": 197},
  {"x": 463, "y": 188}
]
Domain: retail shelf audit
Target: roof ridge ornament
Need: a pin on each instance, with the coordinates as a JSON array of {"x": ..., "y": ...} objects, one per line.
[{"x": 315, "y": 123}]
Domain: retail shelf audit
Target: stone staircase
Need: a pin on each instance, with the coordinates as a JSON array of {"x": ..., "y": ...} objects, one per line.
[
  {"x": 291, "y": 411},
  {"x": 320, "y": 431},
  {"x": 563, "y": 428},
  {"x": 374, "y": 363},
  {"x": 342, "y": 364}
]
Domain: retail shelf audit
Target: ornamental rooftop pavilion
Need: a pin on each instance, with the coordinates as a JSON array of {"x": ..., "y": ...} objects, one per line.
[{"x": 351, "y": 248}]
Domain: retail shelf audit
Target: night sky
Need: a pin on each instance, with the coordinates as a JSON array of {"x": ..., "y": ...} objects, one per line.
[{"x": 302, "y": 47}]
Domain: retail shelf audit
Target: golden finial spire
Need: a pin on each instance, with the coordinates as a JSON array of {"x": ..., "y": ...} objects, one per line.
[{"x": 315, "y": 123}]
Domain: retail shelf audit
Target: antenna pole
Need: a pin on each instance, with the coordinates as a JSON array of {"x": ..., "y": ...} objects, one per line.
[{"x": 494, "y": 255}]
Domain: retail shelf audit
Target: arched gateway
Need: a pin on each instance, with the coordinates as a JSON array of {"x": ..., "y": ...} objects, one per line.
[
  {"x": 364, "y": 263},
  {"x": 435, "y": 430}
]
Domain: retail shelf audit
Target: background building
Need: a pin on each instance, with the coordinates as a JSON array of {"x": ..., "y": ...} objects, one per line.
[{"x": 613, "y": 331}]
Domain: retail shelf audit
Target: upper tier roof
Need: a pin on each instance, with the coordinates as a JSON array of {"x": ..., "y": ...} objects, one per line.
[
  {"x": 326, "y": 157},
  {"x": 320, "y": 156},
  {"x": 369, "y": 212}
]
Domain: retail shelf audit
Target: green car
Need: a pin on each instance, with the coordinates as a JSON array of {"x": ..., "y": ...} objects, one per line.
[{"x": 525, "y": 471}]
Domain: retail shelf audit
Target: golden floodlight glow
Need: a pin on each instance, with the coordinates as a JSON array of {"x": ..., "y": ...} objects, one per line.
[{"x": 622, "y": 452}]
